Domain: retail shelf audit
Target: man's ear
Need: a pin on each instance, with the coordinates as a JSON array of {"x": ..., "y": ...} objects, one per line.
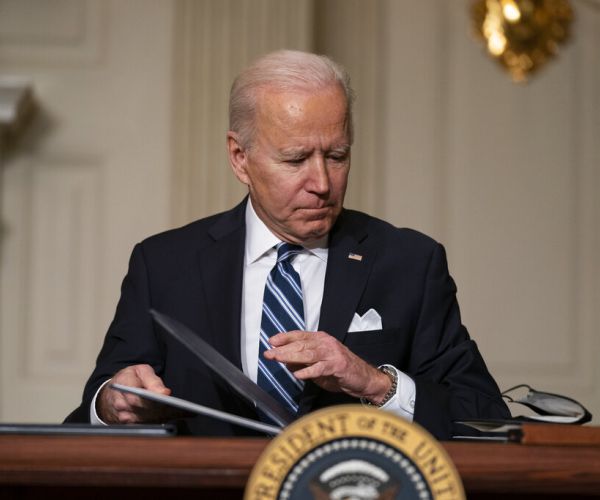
[{"x": 238, "y": 158}]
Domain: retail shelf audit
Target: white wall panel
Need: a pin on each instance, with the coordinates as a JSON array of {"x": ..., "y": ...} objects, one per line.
[
  {"x": 64, "y": 269},
  {"x": 91, "y": 178},
  {"x": 416, "y": 123}
]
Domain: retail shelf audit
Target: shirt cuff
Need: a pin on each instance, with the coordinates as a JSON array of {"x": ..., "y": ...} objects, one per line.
[
  {"x": 403, "y": 402},
  {"x": 94, "y": 418}
]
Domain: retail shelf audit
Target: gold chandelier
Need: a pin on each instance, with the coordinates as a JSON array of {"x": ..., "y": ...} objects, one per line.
[{"x": 522, "y": 35}]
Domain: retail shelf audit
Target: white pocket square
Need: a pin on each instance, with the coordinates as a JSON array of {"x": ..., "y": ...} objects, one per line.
[{"x": 368, "y": 321}]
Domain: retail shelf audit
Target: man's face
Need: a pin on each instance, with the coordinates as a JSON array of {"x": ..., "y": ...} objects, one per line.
[{"x": 297, "y": 166}]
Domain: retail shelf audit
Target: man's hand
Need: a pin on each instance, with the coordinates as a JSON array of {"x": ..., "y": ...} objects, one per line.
[
  {"x": 331, "y": 365},
  {"x": 114, "y": 407}
]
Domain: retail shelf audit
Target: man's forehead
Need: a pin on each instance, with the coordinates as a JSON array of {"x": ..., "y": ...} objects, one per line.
[
  {"x": 290, "y": 97},
  {"x": 285, "y": 108},
  {"x": 297, "y": 121}
]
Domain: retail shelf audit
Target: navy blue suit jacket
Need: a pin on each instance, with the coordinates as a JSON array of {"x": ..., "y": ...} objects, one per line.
[{"x": 194, "y": 274}]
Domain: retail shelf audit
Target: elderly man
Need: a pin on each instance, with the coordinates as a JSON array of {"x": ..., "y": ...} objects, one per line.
[{"x": 318, "y": 304}]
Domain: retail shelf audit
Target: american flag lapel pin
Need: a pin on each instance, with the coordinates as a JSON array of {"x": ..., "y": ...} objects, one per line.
[{"x": 355, "y": 256}]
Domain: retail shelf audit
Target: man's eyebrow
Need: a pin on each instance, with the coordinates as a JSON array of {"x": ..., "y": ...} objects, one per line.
[
  {"x": 297, "y": 152},
  {"x": 342, "y": 148},
  {"x": 293, "y": 152}
]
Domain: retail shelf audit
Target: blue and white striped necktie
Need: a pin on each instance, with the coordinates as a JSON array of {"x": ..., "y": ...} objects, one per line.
[{"x": 283, "y": 311}]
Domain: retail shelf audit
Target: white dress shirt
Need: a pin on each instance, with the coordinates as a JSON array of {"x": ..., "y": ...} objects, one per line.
[{"x": 260, "y": 257}]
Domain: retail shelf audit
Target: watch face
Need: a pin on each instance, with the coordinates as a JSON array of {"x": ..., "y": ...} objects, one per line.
[{"x": 354, "y": 452}]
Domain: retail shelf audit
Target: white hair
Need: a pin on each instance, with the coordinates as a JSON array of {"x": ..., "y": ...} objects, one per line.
[{"x": 283, "y": 70}]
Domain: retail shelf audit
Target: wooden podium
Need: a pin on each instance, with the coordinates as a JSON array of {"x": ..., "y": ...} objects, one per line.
[{"x": 112, "y": 468}]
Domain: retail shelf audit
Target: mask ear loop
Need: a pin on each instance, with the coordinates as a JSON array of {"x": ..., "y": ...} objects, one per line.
[{"x": 509, "y": 398}]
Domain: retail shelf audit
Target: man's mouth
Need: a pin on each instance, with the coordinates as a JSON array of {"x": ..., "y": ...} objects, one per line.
[
  {"x": 316, "y": 213},
  {"x": 322, "y": 206}
]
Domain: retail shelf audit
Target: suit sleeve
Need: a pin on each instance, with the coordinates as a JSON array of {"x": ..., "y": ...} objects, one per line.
[
  {"x": 451, "y": 378},
  {"x": 130, "y": 339}
]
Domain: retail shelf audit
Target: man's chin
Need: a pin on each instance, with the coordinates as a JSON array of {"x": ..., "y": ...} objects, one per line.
[
  {"x": 308, "y": 226},
  {"x": 314, "y": 230}
]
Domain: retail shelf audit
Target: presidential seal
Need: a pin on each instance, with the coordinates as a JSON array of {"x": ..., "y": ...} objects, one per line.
[{"x": 353, "y": 452}]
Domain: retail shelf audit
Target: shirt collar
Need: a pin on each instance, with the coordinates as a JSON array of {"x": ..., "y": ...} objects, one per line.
[{"x": 259, "y": 239}]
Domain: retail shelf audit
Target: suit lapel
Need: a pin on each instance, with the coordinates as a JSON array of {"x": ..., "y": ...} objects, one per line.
[
  {"x": 349, "y": 262},
  {"x": 221, "y": 267}
]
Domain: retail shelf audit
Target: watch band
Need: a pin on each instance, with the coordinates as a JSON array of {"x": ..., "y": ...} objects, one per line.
[{"x": 393, "y": 376}]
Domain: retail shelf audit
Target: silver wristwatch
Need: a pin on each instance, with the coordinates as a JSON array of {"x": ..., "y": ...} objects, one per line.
[{"x": 393, "y": 375}]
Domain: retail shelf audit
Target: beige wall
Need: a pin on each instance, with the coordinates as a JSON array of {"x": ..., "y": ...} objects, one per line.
[{"x": 133, "y": 141}]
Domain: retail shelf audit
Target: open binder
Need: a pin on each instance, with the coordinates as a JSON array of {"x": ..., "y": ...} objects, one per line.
[{"x": 236, "y": 379}]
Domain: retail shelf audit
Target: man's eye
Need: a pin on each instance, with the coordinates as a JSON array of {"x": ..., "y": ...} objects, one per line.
[
  {"x": 341, "y": 157},
  {"x": 294, "y": 161}
]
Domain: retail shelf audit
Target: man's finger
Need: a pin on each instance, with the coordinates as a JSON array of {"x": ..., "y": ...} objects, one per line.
[
  {"x": 285, "y": 338},
  {"x": 133, "y": 401},
  {"x": 120, "y": 402},
  {"x": 296, "y": 355},
  {"x": 149, "y": 380},
  {"x": 310, "y": 372},
  {"x": 294, "y": 367},
  {"x": 127, "y": 417}
]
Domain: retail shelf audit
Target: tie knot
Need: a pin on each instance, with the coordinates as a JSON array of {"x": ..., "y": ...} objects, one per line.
[{"x": 286, "y": 251}]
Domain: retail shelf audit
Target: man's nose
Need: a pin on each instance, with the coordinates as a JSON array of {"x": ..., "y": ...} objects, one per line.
[{"x": 318, "y": 176}]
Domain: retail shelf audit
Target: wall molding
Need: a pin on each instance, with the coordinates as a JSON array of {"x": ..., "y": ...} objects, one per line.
[
  {"x": 52, "y": 218},
  {"x": 66, "y": 33}
]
